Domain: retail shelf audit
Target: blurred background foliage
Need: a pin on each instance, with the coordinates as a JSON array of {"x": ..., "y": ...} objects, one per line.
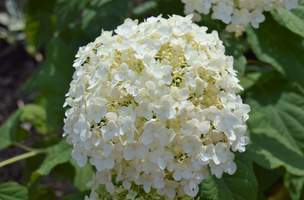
[{"x": 270, "y": 65}]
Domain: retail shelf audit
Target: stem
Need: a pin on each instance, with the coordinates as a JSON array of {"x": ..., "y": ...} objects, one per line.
[
  {"x": 23, "y": 156},
  {"x": 21, "y": 146}
]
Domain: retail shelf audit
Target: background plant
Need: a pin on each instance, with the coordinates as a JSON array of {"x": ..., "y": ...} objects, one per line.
[{"x": 270, "y": 65}]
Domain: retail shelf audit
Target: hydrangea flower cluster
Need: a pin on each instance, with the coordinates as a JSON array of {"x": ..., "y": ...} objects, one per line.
[
  {"x": 153, "y": 107},
  {"x": 236, "y": 13}
]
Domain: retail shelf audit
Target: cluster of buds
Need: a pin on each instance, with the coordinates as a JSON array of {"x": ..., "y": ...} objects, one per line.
[{"x": 153, "y": 107}]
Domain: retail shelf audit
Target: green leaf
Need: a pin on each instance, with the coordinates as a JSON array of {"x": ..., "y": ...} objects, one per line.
[
  {"x": 82, "y": 175},
  {"x": 35, "y": 115},
  {"x": 247, "y": 81},
  {"x": 142, "y": 9},
  {"x": 240, "y": 186},
  {"x": 58, "y": 154},
  {"x": 265, "y": 177},
  {"x": 295, "y": 185},
  {"x": 293, "y": 19},
  {"x": 33, "y": 163},
  {"x": 39, "y": 28},
  {"x": 20, "y": 134},
  {"x": 268, "y": 44},
  {"x": 104, "y": 14},
  {"x": 39, "y": 21},
  {"x": 53, "y": 80},
  {"x": 66, "y": 11},
  {"x": 62, "y": 56},
  {"x": 283, "y": 104},
  {"x": 13, "y": 191},
  {"x": 269, "y": 148},
  {"x": 7, "y": 130},
  {"x": 64, "y": 171},
  {"x": 78, "y": 196}
]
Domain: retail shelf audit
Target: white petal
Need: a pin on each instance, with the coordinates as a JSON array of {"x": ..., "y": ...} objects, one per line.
[
  {"x": 110, "y": 187},
  {"x": 141, "y": 152},
  {"x": 184, "y": 93},
  {"x": 151, "y": 85},
  {"x": 171, "y": 193},
  {"x": 147, "y": 138},
  {"x": 187, "y": 173},
  {"x": 119, "y": 76},
  {"x": 128, "y": 153},
  {"x": 162, "y": 163},
  {"x": 126, "y": 184},
  {"x": 109, "y": 163},
  {"x": 82, "y": 160},
  {"x": 147, "y": 187}
]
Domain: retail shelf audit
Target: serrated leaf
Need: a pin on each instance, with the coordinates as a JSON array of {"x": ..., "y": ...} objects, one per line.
[
  {"x": 7, "y": 130},
  {"x": 268, "y": 44},
  {"x": 58, "y": 154},
  {"x": 293, "y": 19},
  {"x": 104, "y": 14},
  {"x": 269, "y": 148},
  {"x": 13, "y": 191},
  {"x": 240, "y": 186},
  {"x": 82, "y": 175}
]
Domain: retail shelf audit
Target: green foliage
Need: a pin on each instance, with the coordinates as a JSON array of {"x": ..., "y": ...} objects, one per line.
[
  {"x": 13, "y": 191},
  {"x": 104, "y": 14},
  {"x": 234, "y": 47},
  {"x": 36, "y": 115},
  {"x": 82, "y": 175},
  {"x": 295, "y": 185},
  {"x": 39, "y": 21},
  {"x": 59, "y": 153},
  {"x": 270, "y": 45},
  {"x": 282, "y": 102},
  {"x": 293, "y": 20},
  {"x": 265, "y": 177},
  {"x": 270, "y": 149},
  {"x": 232, "y": 186},
  {"x": 10, "y": 131}
]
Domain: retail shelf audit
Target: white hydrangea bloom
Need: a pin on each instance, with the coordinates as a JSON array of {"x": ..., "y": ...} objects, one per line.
[
  {"x": 155, "y": 106},
  {"x": 235, "y": 13}
]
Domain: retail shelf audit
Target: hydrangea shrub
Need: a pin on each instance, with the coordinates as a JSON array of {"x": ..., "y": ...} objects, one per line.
[
  {"x": 236, "y": 13},
  {"x": 154, "y": 106}
]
